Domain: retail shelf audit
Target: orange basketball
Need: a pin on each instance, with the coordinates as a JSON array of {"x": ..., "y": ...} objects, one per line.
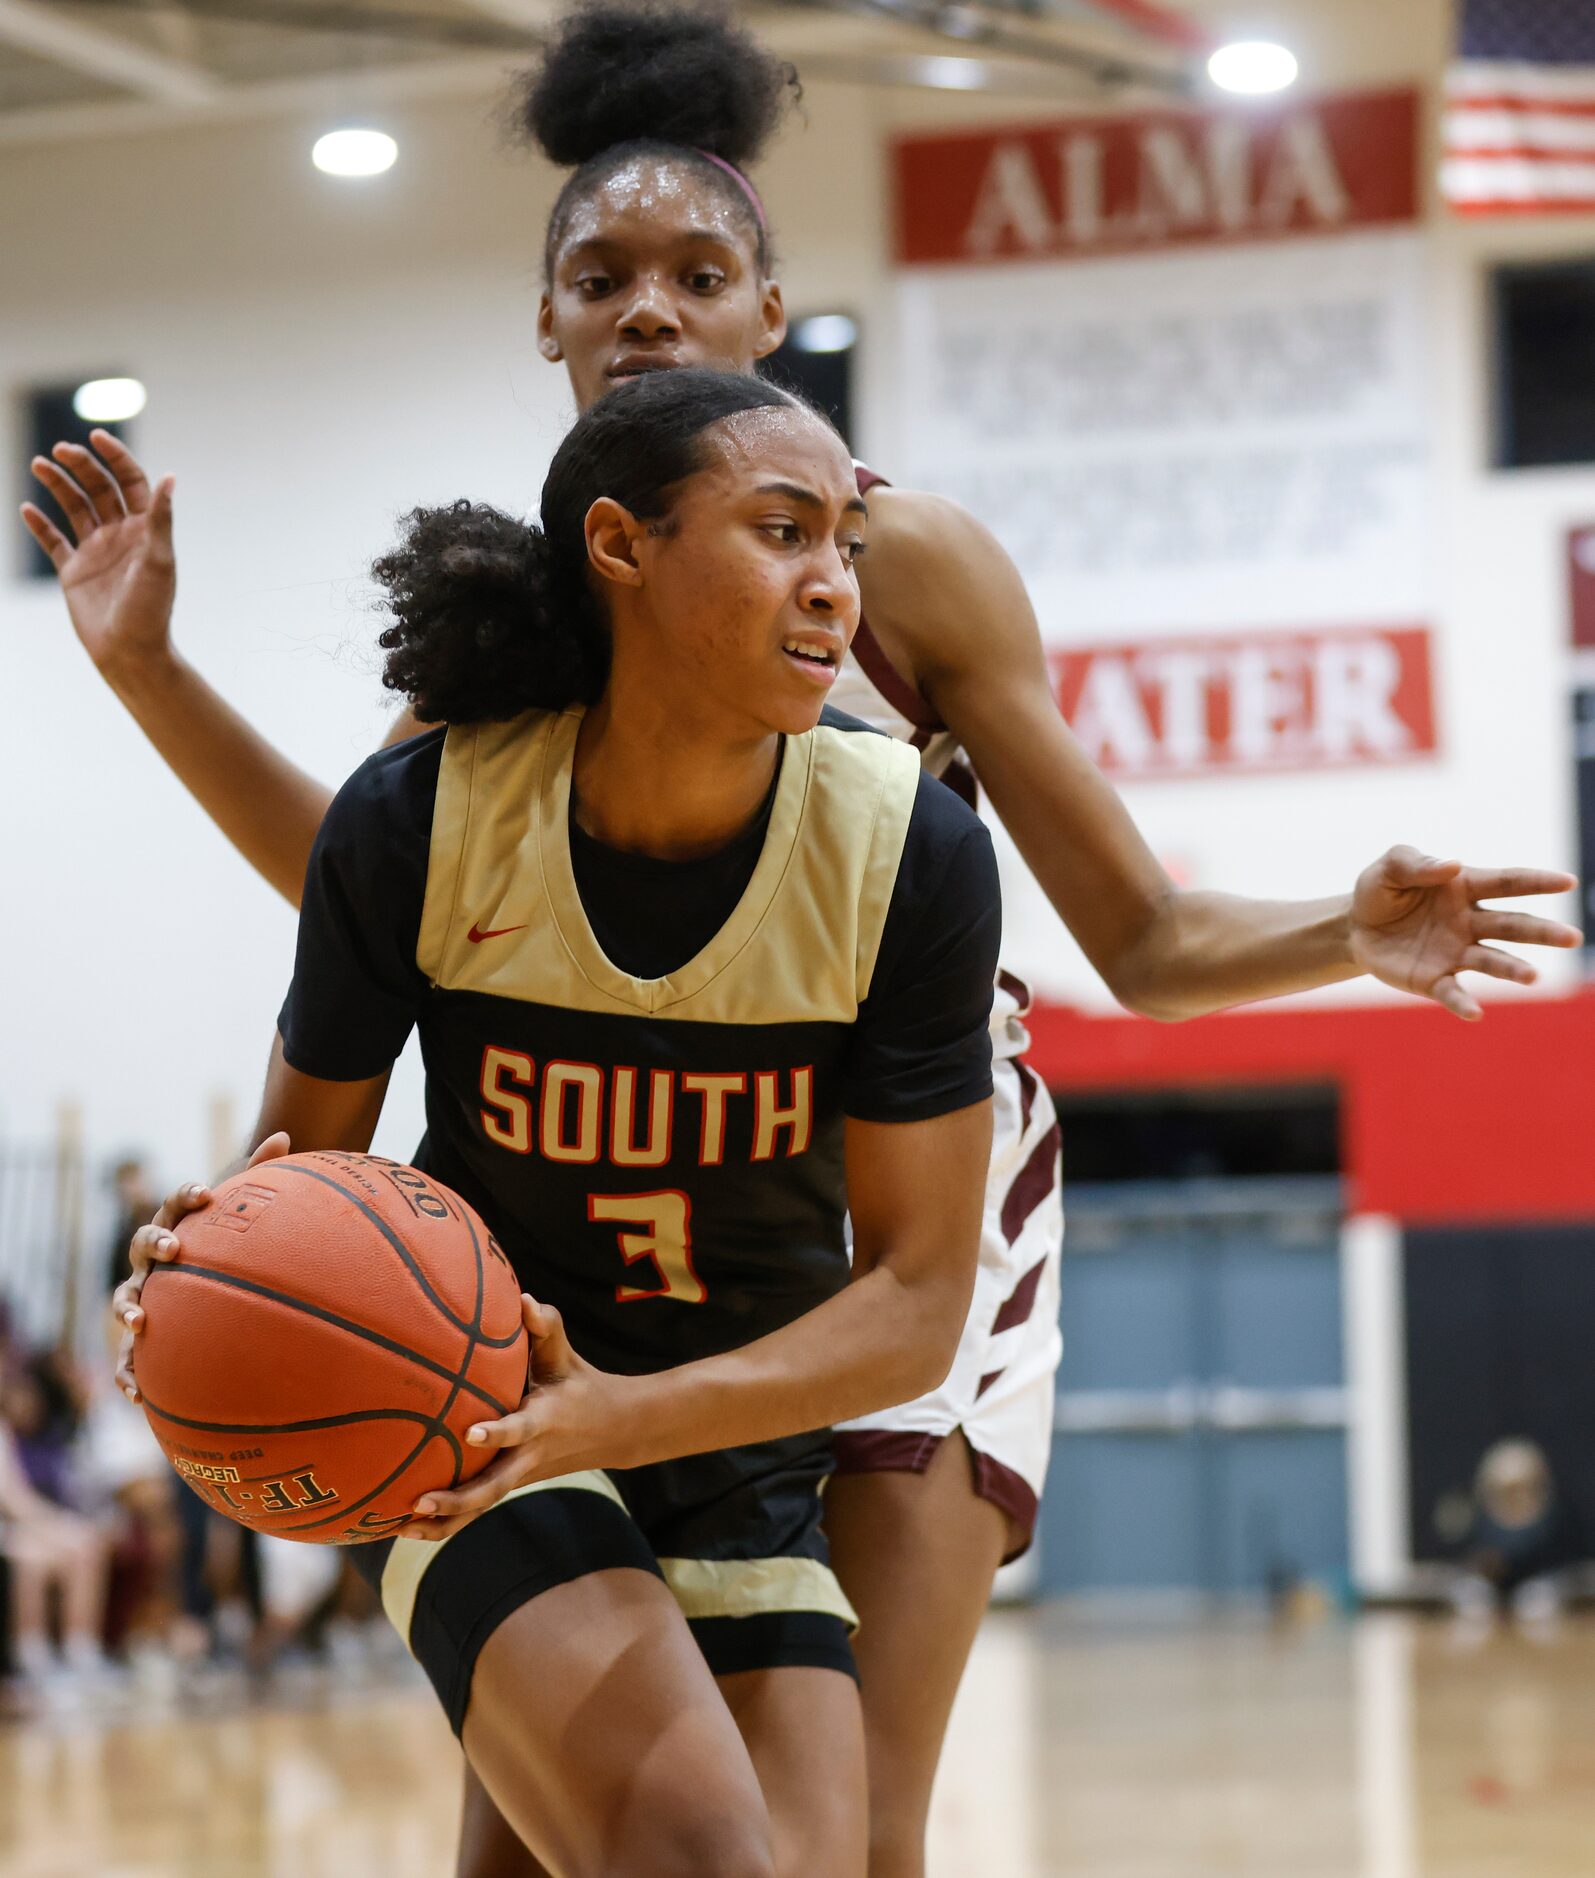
[{"x": 331, "y": 1326}]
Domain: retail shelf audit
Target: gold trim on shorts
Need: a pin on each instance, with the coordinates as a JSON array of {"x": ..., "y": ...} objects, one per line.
[
  {"x": 751, "y": 1587},
  {"x": 410, "y": 1559}
]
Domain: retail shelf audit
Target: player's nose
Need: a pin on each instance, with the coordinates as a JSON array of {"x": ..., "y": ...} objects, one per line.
[
  {"x": 827, "y": 591},
  {"x": 651, "y": 312}
]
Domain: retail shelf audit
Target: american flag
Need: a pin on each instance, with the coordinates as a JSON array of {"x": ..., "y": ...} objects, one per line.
[{"x": 1519, "y": 132}]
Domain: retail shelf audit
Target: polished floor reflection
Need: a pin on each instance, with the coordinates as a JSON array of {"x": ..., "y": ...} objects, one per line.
[{"x": 1382, "y": 1749}]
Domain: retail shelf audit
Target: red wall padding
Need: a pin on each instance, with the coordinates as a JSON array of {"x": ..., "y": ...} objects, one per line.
[{"x": 1441, "y": 1120}]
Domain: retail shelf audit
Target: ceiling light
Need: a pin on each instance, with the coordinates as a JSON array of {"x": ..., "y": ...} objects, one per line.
[
  {"x": 825, "y": 332},
  {"x": 1253, "y": 66},
  {"x": 109, "y": 400},
  {"x": 939, "y": 74},
  {"x": 354, "y": 152}
]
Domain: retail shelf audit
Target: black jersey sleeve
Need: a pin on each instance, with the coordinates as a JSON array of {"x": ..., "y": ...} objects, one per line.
[
  {"x": 357, "y": 989},
  {"x": 922, "y": 1044}
]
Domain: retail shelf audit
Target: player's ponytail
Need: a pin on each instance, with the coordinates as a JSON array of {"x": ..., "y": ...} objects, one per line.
[
  {"x": 492, "y": 616},
  {"x": 480, "y": 628}
]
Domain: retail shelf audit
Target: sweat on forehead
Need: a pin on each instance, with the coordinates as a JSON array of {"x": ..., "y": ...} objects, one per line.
[
  {"x": 655, "y": 177},
  {"x": 791, "y": 443},
  {"x": 776, "y": 427}
]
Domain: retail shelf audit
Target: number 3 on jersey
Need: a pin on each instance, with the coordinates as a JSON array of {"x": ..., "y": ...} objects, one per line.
[{"x": 666, "y": 1239}]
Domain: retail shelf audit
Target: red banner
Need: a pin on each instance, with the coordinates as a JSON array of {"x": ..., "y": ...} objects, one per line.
[
  {"x": 1112, "y": 185},
  {"x": 1246, "y": 703},
  {"x": 1581, "y": 584}
]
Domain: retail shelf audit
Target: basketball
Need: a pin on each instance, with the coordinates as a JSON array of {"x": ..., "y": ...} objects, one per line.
[{"x": 330, "y": 1328}]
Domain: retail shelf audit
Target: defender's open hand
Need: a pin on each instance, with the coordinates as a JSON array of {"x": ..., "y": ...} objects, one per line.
[
  {"x": 1416, "y": 922},
  {"x": 121, "y": 576}
]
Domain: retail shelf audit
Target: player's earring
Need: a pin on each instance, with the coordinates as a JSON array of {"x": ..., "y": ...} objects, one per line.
[{"x": 548, "y": 345}]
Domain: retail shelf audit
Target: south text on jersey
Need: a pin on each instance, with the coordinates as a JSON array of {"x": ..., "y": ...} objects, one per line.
[{"x": 589, "y": 1113}]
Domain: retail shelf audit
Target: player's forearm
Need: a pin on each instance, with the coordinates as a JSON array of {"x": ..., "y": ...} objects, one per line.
[
  {"x": 1207, "y": 951},
  {"x": 876, "y": 1343},
  {"x": 267, "y": 807}
]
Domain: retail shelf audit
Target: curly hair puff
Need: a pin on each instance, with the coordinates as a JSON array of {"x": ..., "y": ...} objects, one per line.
[{"x": 478, "y": 632}]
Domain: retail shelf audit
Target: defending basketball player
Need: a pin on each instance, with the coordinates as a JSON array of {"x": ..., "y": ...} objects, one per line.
[
  {"x": 685, "y": 953},
  {"x": 657, "y": 257}
]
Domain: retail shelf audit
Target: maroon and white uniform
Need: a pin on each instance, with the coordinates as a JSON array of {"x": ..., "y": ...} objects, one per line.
[{"x": 1000, "y": 1388}]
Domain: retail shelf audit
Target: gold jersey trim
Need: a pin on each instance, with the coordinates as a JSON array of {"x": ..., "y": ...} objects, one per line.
[
  {"x": 408, "y": 1562},
  {"x": 502, "y": 915}
]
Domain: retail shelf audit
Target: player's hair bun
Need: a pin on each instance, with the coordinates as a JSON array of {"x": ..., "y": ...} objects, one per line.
[{"x": 617, "y": 74}]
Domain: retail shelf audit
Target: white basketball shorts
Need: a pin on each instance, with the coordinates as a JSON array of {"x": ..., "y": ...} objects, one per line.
[{"x": 1000, "y": 1388}]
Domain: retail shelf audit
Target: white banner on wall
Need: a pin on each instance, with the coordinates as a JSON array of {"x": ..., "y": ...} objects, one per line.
[
  {"x": 1220, "y": 446},
  {"x": 1199, "y": 438}
]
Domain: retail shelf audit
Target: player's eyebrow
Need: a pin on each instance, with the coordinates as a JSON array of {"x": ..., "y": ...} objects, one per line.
[
  {"x": 795, "y": 492},
  {"x": 687, "y": 238}
]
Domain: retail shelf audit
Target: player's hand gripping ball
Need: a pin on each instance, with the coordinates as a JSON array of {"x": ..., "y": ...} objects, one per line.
[{"x": 330, "y": 1328}]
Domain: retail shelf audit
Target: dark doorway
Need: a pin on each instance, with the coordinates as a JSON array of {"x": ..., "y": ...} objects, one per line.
[{"x": 1195, "y": 1134}]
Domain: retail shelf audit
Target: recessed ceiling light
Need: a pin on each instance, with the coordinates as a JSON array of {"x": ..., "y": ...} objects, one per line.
[
  {"x": 943, "y": 74},
  {"x": 354, "y": 152},
  {"x": 825, "y": 332},
  {"x": 109, "y": 400},
  {"x": 1253, "y": 66}
]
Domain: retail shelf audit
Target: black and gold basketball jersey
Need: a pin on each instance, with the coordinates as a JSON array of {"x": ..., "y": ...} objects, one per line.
[{"x": 661, "y": 1157}]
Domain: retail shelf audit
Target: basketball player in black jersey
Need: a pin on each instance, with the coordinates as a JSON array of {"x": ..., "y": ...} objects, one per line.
[
  {"x": 657, "y": 256},
  {"x": 696, "y": 967}
]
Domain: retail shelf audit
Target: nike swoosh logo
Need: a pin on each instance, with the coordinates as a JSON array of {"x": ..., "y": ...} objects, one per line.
[{"x": 476, "y": 934}]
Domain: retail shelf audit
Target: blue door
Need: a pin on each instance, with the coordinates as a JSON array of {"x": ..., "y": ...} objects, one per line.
[{"x": 1201, "y": 1409}]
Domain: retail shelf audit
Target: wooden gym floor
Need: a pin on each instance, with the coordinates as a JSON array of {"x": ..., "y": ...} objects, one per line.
[{"x": 1383, "y": 1749}]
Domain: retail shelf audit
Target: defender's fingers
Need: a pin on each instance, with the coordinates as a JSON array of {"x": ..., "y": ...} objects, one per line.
[
  {"x": 1448, "y": 992},
  {"x": 160, "y": 514},
  {"x": 1506, "y": 883},
  {"x": 93, "y": 479},
  {"x": 1410, "y": 867},
  {"x": 80, "y": 516},
  {"x": 1496, "y": 964},
  {"x": 124, "y": 1368},
  {"x": 48, "y": 536},
  {"x": 1525, "y": 928},
  {"x": 125, "y": 467}
]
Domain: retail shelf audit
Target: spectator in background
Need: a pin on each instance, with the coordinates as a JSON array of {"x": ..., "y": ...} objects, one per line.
[
  {"x": 42, "y": 1398},
  {"x": 169, "y": 1515},
  {"x": 49, "y": 1550},
  {"x": 135, "y": 1495},
  {"x": 1524, "y": 1548}
]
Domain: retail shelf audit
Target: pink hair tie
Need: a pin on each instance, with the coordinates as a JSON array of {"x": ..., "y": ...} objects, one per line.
[{"x": 741, "y": 182}]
